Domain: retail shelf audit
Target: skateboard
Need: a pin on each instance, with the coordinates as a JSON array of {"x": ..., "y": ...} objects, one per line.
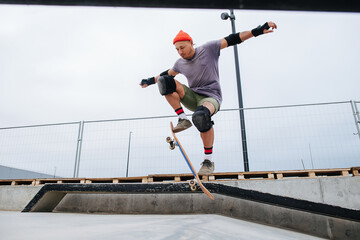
[{"x": 175, "y": 142}]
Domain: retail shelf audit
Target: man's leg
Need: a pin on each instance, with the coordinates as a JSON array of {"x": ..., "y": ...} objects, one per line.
[
  {"x": 174, "y": 98},
  {"x": 208, "y": 137},
  {"x": 208, "y": 141},
  {"x": 174, "y": 101}
]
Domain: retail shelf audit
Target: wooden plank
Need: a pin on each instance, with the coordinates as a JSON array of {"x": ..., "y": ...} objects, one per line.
[
  {"x": 312, "y": 174},
  {"x": 355, "y": 171},
  {"x": 220, "y": 176},
  {"x": 170, "y": 175},
  {"x": 204, "y": 178},
  {"x": 271, "y": 176},
  {"x": 241, "y": 176},
  {"x": 345, "y": 173},
  {"x": 342, "y": 172},
  {"x": 15, "y": 182}
]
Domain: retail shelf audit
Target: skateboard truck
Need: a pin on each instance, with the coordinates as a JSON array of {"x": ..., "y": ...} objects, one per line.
[
  {"x": 192, "y": 184},
  {"x": 171, "y": 143}
]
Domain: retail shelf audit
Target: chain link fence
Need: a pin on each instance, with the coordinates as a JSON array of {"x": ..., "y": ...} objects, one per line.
[{"x": 278, "y": 138}]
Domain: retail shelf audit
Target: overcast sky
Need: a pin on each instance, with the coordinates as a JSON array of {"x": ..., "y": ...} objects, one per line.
[{"x": 62, "y": 64}]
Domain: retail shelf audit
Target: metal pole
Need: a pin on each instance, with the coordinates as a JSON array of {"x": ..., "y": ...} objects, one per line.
[
  {"x": 128, "y": 156},
  {"x": 80, "y": 144},
  {"x": 356, "y": 117},
  {"x": 312, "y": 163},
  {"x": 77, "y": 150},
  {"x": 240, "y": 98}
]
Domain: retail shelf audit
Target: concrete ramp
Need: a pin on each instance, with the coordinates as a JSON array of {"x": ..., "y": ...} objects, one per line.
[
  {"x": 50, "y": 196},
  {"x": 317, "y": 219}
]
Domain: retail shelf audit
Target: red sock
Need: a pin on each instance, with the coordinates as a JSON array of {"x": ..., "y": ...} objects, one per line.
[
  {"x": 179, "y": 111},
  {"x": 208, "y": 153}
]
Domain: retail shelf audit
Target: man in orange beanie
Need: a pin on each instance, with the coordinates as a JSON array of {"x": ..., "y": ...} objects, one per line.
[{"x": 203, "y": 96}]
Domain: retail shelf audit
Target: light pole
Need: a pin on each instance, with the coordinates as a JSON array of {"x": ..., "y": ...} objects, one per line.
[{"x": 225, "y": 16}]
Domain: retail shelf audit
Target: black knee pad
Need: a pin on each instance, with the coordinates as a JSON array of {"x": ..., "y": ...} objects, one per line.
[
  {"x": 202, "y": 119},
  {"x": 166, "y": 84}
]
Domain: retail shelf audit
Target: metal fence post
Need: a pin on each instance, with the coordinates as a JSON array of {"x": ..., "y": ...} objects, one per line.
[
  {"x": 356, "y": 116},
  {"x": 78, "y": 149},
  {"x": 80, "y": 145},
  {"x": 128, "y": 156}
]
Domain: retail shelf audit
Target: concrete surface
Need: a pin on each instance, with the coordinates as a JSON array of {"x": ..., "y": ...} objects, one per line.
[
  {"x": 300, "y": 221},
  {"x": 15, "y": 225},
  {"x": 337, "y": 191}
]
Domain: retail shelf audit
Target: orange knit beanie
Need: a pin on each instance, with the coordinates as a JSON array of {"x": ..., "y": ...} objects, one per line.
[{"x": 182, "y": 36}]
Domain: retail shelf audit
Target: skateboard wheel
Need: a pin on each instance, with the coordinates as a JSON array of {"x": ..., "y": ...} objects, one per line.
[
  {"x": 193, "y": 188},
  {"x": 168, "y": 140},
  {"x": 192, "y": 183},
  {"x": 172, "y": 146}
]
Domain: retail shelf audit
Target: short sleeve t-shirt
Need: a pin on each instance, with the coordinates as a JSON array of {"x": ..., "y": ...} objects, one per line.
[{"x": 202, "y": 70}]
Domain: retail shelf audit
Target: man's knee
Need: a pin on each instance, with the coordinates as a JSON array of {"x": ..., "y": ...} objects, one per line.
[
  {"x": 166, "y": 84},
  {"x": 210, "y": 106},
  {"x": 202, "y": 119}
]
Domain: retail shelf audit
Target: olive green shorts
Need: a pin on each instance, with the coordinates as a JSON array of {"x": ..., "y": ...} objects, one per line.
[{"x": 191, "y": 100}]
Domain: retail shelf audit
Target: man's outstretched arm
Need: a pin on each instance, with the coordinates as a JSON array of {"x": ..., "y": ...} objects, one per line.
[
  {"x": 240, "y": 37},
  {"x": 152, "y": 80}
]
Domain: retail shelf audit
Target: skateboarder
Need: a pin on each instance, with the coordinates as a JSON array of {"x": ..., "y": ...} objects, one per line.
[{"x": 203, "y": 95}]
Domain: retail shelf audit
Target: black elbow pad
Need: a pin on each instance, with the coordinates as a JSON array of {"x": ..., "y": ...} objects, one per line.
[{"x": 233, "y": 39}]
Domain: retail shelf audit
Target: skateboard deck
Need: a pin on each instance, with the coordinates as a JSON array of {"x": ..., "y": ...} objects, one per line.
[{"x": 192, "y": 183}]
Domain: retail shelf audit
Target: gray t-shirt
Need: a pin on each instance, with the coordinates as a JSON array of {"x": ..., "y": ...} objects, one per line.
[{"x": 202, "y": 70}]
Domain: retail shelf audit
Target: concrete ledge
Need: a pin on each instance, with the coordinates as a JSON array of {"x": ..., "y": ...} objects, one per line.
[
  {"x": 50, "y": 195},
  {"x": 193, "y": 203},
  {"x": 15, "y": 198},
  {"x": 176, "y": 198},
  {"x": 337, "y": 191}
]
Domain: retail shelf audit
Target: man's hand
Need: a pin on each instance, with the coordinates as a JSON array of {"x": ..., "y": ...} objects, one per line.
[
  {"x": 272, "y": 26},
  {"x": 146, "y": 82},
  {"x": 268, "y": 27}
]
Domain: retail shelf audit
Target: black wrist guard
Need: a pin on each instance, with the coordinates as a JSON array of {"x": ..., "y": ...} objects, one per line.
[
  {"x": 165, "y": 73},
  {"x": 233, "y": 39},
  {"x": 148, "y": 81},
  {"x": 260, "y": 29}
]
